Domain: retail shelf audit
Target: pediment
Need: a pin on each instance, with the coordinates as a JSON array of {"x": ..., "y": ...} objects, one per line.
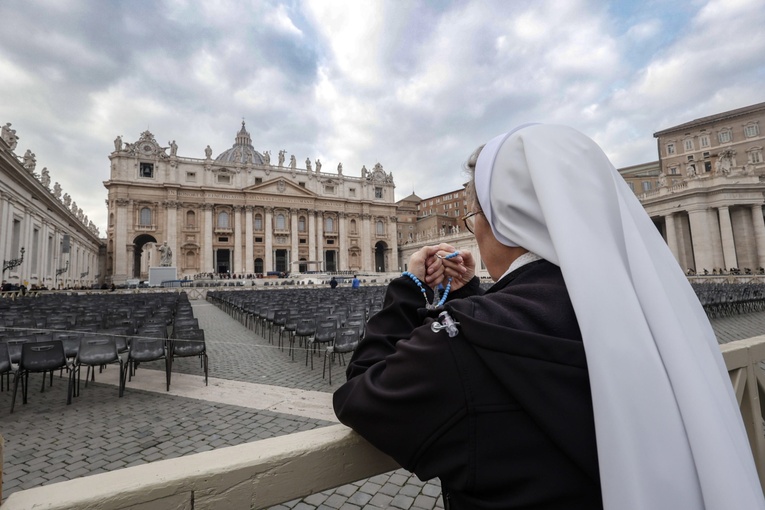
[{"x": 280, "y": 186}]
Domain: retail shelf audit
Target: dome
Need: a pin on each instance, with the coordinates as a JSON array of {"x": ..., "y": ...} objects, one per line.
[{"x": 241, "y": 151}]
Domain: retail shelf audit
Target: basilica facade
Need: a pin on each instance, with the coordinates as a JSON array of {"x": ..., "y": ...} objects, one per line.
[{"x": 242, "y": 213}]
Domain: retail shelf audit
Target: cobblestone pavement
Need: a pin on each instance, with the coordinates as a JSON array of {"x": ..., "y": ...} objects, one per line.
[{"x": 47, "y": 441}]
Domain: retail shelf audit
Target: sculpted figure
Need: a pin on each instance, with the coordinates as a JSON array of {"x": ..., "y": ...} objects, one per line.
[
  {"x": 73, "y": 208},
  {"x": 364, "y": 171},
  {"x": 9, "y": 136},
  {"x": 45, "y": 177},
  {"x": 293, "y": 161},
  {"x": 281, "y": 157},
  {"x": 318, "y": 166},
  {"x": 57, "y": 190},
  {"x": 308, "y": 164},
  {"x": 173, "y": 148},
  {"x": 208, "y": 152},
  {"x": 267, "y": 157},
  {"x": 340, "y": 168},
  {"x": 118, "y": 144},
  {"x": 237, "y": 155},
  {"x": 67, "y": 199},
  {"x": 166, "y": 255},
  {"x": 724, "y": 163},
  {"x": 29, "y": 161},
  {"x": 691, "y": 171},
  {"x": 662, "y": 180}
]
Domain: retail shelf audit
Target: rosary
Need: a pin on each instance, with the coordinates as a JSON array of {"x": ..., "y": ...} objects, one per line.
[{"x": 437, "y": 303}]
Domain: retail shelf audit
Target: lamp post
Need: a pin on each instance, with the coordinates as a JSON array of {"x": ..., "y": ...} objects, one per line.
[{"x": 10, "y": 264}]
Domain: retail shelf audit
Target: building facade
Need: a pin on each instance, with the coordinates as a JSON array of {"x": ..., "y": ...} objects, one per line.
[
  {"x": 46, "y": 240},
  {"x": 241, "y": 213},
  {"x": 708, "y": 197}
]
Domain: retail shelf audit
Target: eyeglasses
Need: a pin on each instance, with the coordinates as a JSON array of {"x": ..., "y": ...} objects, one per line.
[{"x": 469, "y": 220}]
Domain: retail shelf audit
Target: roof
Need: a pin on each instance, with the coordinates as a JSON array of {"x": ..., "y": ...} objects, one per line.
[
  {"x": 712, "y": 118},
  {"x": 242, "y": 150}
]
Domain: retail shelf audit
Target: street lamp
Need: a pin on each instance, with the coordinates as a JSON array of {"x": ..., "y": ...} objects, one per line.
[{"x": 10, "y": 264}]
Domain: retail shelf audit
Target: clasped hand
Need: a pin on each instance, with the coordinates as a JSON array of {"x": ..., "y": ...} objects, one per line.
[{"x": 429, "y": 265}]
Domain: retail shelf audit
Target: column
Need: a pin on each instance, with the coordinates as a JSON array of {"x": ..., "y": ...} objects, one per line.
[
  {"x": 320, "y": 240},
  {"x": 726, "y": 234},
  {"x": 207, "y": 243},
  {"x": 171, "y": 229},
  {"x": 249, "y": 257},
  {"x": 759, "y": 233},
  {"x": 268, "y": 227},
  {"x": 367, "y": 262},
  {"x": 671, "y": 228},
  {"x": 294, "y": 237},
  {"x": 120, "y": 265},
  {"x": 237, "y": 260},
  {"x": 342, "y": 258},
  {"x": 702, "y": 247},
  {"x": 392, "y": 232},
  {"x": 4, "y": 226},
  {"x": 312, "y": 238}
]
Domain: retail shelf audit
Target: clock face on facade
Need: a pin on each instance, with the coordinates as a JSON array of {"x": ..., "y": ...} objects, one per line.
[{"x": 147, "y": 148}]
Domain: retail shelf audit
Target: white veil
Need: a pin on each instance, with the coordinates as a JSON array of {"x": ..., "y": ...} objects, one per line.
[{"x": 668, "y": 427}]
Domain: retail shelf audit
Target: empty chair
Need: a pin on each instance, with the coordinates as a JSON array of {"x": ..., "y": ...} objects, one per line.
[
  {"x": 305, "y": 328},
  {"x": 40, "y": 357},
  {"x": 5, "y": 365},
  {"x": 325, "y": 334},
  {"x": 290, "y": 324},
  {"x": 347, "y": 339},
  {"x": 191, "y": 343},
  {"x": 279, "y": 320},
  {"x": 97, "y": 351},
  {"x": 144, "y": 349},
  {"x": 14, "y": 345}
]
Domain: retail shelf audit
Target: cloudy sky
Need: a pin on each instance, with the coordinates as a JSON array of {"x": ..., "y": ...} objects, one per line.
[{"x": 414, "y": 85}]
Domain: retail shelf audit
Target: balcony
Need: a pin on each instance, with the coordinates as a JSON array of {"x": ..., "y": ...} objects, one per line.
[
  {"x": 145, "y": 228},
  {"x": 271, "y": 471}
]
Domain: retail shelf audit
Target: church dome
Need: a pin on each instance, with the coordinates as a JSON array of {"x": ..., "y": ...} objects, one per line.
[{"x": 242, "y": 151}]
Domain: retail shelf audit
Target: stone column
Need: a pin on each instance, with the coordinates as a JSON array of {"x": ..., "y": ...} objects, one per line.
[
  {"x": 171, "y": 229},
  {"x": 342, "y": 257},
  {"x": 207, "y": 240},
  {"x": 237, "y": 260},
  {"x": 312, "y": 238},
  {"x": 268, "y": 227},
  {"x": 759, "y": 233},
  {"x": 294, "y": 238},
  {"x": 392, "y": 232},
  {"x": 671, "y": 228},
  {"x": 130, "y": 256},
  {"x": 320, "y": 240},
  {"x": 367, "y": 259},
  {"x": 702, "y": 242},
  {"x": 726, "y": 235},
  {"x": 249, "y": 257},
  {"x": 121, "y": 252}
]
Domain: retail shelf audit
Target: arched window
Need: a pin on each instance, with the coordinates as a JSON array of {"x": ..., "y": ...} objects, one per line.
[
  {"x": 258, "y": 265},
  {"x": 329, "y": 224},
  {"x": 281, "y": 223},
  {"x": 380, "y": 228},
  {"x": 145, "y": 220},
  {"x": 353, "y": 226},
  {"x": 191, "y": 219},
  {"x": 258, "y": 222},
  {"x": 223, "y": 219},
  {"x": 301, "y": 224}
]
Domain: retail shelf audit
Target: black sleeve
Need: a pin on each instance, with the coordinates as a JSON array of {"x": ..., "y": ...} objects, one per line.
[{"x": 403, "y": 390}]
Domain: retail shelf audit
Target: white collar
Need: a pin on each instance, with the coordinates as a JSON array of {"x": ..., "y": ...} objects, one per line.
[{"x": 526, "y": 258}]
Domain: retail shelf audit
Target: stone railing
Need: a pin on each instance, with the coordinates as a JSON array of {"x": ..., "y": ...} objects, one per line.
[{"x": 272, "y": 471}]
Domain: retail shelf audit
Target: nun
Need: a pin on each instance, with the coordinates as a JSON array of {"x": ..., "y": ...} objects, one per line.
[{"x": 586, "y": 377}]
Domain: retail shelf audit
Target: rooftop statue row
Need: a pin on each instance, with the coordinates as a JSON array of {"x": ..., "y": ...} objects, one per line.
[{"x": 29, "y": 162}]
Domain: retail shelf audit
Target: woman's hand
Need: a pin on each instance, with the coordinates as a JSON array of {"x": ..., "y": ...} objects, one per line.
[{"x": 460, "y": 268}]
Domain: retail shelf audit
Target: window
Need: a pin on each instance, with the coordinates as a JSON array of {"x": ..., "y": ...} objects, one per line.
[
  {"x": 258, "y": 222},
  {"x": 301, "y": 184},
  {"x": 223, "y": 219},
  {"x": 707, "y": 166},
  {"x": 329, "y": 189},
  {"x": 353, "y": 226},
  {"x": 281, "y": 222},
  {"x": 224, "y": 179},
  {"x": 329, "y": 224},
  {"x": 379, "y": 192},
  {"x": 725, "y": 136},
  {"x": 258, "y": 180},
  {"x": 145, "y": 217},
  {"x": 751, "y": 130},
  {"x": 670, "y": 148},
  {"x": 688, "y": 145},
  {"x": 146, "y": 170},
  {"x": 646, "y": 186},
  {"x": 258, "y": 239},
  {"x": 704, "y": 140},
  {"x": 673, "y": 170},
  {"x": 380, "y": 228},
  {"x": 632, "y": 185},
  {"x": 705, "y": 155},
  {"x": 191, "y": 176},
  {"x": 191, "y": 219},
  {"x": 223, "y": 239},
  {"x": 352, "y": 192},
  {"x": 690, "y": 157},
  {"x": 301, "y": 224},
  {"x": 755, "y": 156}
]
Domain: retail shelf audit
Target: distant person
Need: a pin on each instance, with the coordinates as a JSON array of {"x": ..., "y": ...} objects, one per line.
[
  {"x": 333, "y": 282},
  {"x": 356, "y": 282}
]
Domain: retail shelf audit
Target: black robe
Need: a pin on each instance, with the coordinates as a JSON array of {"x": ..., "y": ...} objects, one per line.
[{"x": 501, "y": 413}]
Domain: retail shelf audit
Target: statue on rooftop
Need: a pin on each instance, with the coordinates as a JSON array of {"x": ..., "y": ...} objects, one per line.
[
  {"x": 57, "y": 190},
  {"x": 293, "y": 161},
  {"x": 45, "y": 177},
  {"x": 30, "y": 161},
  {"x": 118, "y": 144},
  {"x": 173, "y": 148},
  {"x": 267, "y": 157},
  {"x": 9, "y": 136},
  {"x": 281, "y": 157},
  {"x": 318, "y": 166},
  {"x": 67, "y": 199},
  {"x": 208, "y": 152},
  {"x": 308, "y": 164}
]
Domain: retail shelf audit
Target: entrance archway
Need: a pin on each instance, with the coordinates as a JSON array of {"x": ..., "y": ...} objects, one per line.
[
  {"x": 138, "y": 244},
  {"x": 380, "y": 249},
  {"x": 223, "y": 260}
]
